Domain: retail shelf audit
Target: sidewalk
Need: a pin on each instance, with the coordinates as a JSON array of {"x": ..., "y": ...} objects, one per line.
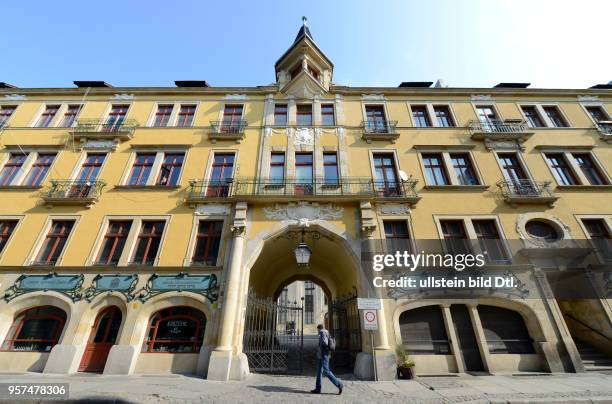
[{"x": 562, "y": 388}]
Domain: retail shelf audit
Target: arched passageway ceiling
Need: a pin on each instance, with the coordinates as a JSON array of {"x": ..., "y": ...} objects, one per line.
[{"x": 330, "y": 263}]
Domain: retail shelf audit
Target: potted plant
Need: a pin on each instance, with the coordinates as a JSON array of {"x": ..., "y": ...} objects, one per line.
[{"x": 405, "y": 364}]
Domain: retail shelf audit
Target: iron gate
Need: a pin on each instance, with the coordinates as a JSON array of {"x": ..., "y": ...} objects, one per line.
[
  {"x": 273, "y": 335},
  {"x": 345, "y": 328}
]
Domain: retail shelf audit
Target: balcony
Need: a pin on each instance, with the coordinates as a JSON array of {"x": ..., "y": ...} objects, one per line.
[
  {"x": 73, "y": 192},
  {"x": 379, "y": 130},
  {"x": 245, "y": 189},
  {"x": 510, "y": 129},
  {"x": 605, "y": 130},
  {"x": 226, "y": 130},
  {"x": 527, "y": 192},
  {"x": 89, "y": 129}
]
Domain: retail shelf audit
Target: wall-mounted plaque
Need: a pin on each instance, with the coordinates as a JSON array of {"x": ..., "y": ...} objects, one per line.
[
  {"x": 69, "y": 285},
  {"x": 205, "y": 285},
  {"x": 124, "y": 284}
]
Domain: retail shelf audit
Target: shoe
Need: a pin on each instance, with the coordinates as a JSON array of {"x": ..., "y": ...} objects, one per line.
[
  {"x": 315, "y": 391},
  {"x": 340, "y": 390}
]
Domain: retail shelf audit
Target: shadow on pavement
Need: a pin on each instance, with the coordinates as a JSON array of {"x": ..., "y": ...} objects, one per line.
[{"x": 282, "y": 389}]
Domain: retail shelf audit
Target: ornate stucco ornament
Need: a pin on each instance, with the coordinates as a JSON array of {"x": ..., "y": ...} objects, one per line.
[
  {"x": 14, "y": 97},
  {"x": 303, "y": 212},
  {"x": 123, "y": 96}
]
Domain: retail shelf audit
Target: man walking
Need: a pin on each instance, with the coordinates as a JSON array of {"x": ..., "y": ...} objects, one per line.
[{"x": 323, "y": 354}]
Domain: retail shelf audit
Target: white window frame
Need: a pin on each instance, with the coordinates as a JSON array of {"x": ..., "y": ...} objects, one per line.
[
  {"x": 597, "y": 104},
  {"x": 176, "y": 107},
  {"x": 571, "y": 163},
  {"x": 470, "y": 231},
  {"x": 10, "y": 104},
  {"x": 30, "y": 260},
  {"x": 187, "y": 261},
  {"x": 160, "y": 154},
  {"x": 19, "y": 219},
  {"x": 539, "y": 107},
  {"x": 448, "y": 165},
  {"x": 431, "y": 114},
  {"x": 32, "y": 155},
  {"x": 58, "y": 116},
  {"x": 131, "y": 240}
]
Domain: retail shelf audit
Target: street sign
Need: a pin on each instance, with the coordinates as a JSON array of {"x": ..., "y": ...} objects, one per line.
[
  {"x": 368, "y": 304},
  {"x": 370, "y": 320}
]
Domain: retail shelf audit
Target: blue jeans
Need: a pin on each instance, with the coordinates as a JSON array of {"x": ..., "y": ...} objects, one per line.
[{"x": 323, "y": 370}]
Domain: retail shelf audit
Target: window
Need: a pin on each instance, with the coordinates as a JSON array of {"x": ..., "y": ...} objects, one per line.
[
  {"x": 6, "y": 230},
  {"x": 505, "y": 331},
  {"x": 70, "y": 115},
  {"x": 464, "y": 171},
  {"x": 532, "y": 116},
  {"x": 208, "y": 241},
  {"x": 543, "y": 230},
  {"x": 221, "y": 175},
  {"x": 114, "y": 242},
  {"x": 600, "y": 236},
  {"x": 561, "y": 171},
  {"x": 434, "y": 169},
  {"x": 553, "y": 113},
  {"x": 489, "y": 240},
  {"x": 304, "y": 115},
  {"x": 455, "y": 236},
  {"x": 309, "y": 302},
  {"x": 39, "y": 170},
  {"x": 5, "y": 114},
  {"x": 330, "y": 168},
  {"x": 185, "y": 115},
  {"x": 597, "y": 113},
  {"x": 420, "y": 118},
  {"x": 487, "y": 117},
  {"x": 148, "y": 242},
  {"x": 303, "y": 173},
  {"x": 178, "y": 329},
  {"x": 11, "y": 168},
  {"x": 589, "y": 168},
  {"x": 277, "y": 168},
  {"x": 397, "y": 237},
  {"x": 280, "y": 114},
  {"x": 511, "y": 167},
  {"x": 232, "y": 118},
  {"x": 170, "y": 169},
  {"x": 327, "y": 115},
  {"x": 116, "y": 117},
  {"x": 423, "y": 331},
  {"x": 36, "y": 330},
  {"x": 141, "y": 169},
  {"x": 54, "y": 242},
  {"x": 375, "y": 119},
  {"x": 385, "y": 175},
  {"x": 162, "y": 116},
  {"x": 443, "y": 116},
  {"x": 91, "y": 167},
  {"x": 47, "y": 116}
]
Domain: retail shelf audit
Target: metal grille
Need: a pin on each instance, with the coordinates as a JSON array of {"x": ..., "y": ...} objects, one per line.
[
  {"x": 269, "y": 344},
  {"x": 345, "y": 328}
]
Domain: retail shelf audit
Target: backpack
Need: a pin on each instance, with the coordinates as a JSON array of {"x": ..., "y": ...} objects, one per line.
[{"x": 331, "y": 343}]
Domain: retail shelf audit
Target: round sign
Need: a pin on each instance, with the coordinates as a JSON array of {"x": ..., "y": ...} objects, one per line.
[{"x": 370, "y": 316}]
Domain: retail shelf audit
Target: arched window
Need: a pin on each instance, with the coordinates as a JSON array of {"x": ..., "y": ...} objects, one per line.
[
  {"x": 37, "y": 329},
  {"x": 505, "y": 331},
  {"x": 176, "y": 330},
  {"x": 423, "y": 331}
]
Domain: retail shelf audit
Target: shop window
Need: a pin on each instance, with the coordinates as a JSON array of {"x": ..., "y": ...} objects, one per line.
[
  {"x": 35, "y": 330},
  {"x": 505, "y": 331},
  {"x": 177, "y": 329}
]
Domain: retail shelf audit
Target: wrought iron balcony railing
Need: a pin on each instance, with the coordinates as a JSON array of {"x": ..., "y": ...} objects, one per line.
[
  {"x": 605, "y": 129},
  {"x": 527, "y": 191},
  {"x": 73, "y": 192},
  {"x": 498, "y": 129},
  {"x": 95, "y": 128},
  {"x": 379, "y": 130},
  {"x": 228, "y": 127},
  {"x": 316, "y": 188}
]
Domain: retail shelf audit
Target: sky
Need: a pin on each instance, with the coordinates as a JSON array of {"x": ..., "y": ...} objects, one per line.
[{"x": 466, "y": 43}]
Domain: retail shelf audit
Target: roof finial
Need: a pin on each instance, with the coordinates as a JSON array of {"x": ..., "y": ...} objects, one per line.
[{"x": 304, "y": 20}]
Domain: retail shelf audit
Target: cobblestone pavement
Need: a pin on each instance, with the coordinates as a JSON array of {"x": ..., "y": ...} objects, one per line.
[{"x": 562, "y": 388}]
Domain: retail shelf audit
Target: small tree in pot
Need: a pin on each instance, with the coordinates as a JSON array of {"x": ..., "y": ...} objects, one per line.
[{"x": 405, "y": 364}]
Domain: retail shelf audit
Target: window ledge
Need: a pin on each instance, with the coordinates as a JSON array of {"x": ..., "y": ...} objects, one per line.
[
  {"x": 595, "y": 188},
  {"x": 457, "y": 187},
  {"x": 146, "y": 187},
  {"x": 20, "y": 187}
]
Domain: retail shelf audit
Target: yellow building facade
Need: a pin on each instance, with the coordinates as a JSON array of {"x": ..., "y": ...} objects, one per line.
[{"x": 143, "y": 230}]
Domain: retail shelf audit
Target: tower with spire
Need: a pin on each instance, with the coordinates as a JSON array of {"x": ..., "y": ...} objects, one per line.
[{"x": 304, "y": 70}]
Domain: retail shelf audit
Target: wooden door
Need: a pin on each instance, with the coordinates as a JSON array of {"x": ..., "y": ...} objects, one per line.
[{"x": 103, "y": 336}]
